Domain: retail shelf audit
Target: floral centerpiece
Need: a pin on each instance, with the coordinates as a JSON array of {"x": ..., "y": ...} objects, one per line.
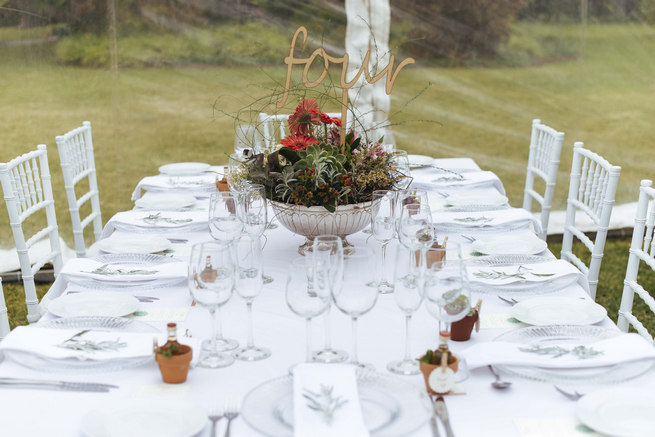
[{"x": 311, "y": 172}]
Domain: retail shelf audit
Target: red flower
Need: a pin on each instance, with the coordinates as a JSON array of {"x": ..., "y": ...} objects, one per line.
[
  {"x": 306, "y": 113},
  {"x": 336, "y": 122},
  {"x": 298, "y": 142}
]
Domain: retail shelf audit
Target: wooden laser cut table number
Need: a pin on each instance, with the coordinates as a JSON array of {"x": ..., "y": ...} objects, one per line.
[{"x": 291, "y": 60}]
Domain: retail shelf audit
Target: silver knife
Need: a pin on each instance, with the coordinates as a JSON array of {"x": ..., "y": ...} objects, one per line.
[
  {"x": 56, "y": 385},
  {"x": 442, "y": 412}
]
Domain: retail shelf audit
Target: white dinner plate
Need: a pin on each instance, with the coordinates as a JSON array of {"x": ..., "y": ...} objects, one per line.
[
  {"x": 418, "y": 161},
  {"x": 506, "y": 244},
  {"x": 558, "y": 310},
  {"x": 167, "y": 201},
  {"x": 184, "y": 168},
  {"x": 164, "y": 416},
  {"x": 619, "y": 411},
  {"x": 94, "y": 303},
  {"x": 134, "y": 243}
]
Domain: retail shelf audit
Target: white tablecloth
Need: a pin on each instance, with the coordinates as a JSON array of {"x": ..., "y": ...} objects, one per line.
[{"x": 481, "y": 411}]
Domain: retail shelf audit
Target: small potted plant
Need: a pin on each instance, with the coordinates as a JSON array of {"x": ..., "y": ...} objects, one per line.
[
  {"x": 462, "y": 329},
  {"x": 173, "y": 358},
  {"x": 432, "y": 360}
]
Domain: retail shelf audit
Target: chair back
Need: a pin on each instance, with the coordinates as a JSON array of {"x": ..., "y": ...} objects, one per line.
[
  {"x": 591, "y": 190},
  {"x": 77, "y": 164},
  {"x": 543, "y": 161},
  {"x": 4, "y": 317},
  {"x": 27, "y": 189},
  {"x": 642, "y": 249}
]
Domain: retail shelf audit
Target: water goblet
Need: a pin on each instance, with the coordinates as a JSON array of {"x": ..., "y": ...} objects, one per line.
[
  {"x": 224, "y": 223},
  {"x": 408, "y": 295},
  {"x": 400, "y": 164},
  {"x": 248, "y": 284},
  {"x": 307, "y": 295},
  {"x": 236, "y": 179},
  {"x": 353, "y": 295},
  {"x": 415, "y": 229},
  {"x": 327, "y": 258},
  {"x": 211, "y": 280},
  {"x": 382, "y": 227},
  {"x": 253, "y": 213}
]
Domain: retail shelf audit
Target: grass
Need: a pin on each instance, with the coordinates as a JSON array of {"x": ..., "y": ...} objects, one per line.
[{"x": 145, "y": 117}]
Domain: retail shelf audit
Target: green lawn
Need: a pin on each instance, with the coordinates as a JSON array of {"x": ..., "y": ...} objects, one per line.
[{"x": 143, "y": 118}]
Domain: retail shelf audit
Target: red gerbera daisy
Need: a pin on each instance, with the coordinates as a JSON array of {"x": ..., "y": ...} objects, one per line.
[
  {"x": 325, "y": 118},
  {"x": 306, "y": 113},
  {"x": 298, "y": 142}
]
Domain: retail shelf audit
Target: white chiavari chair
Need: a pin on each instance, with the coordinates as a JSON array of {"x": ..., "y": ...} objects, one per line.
[
  {"x": 543, "y": 161},
  {"x": 4, "y": 317},
  {"x": 642, "y": 249},
  {"x": 77, "y": 164},
  {"x": 27, "y": 190},
  {"x": 591, "y": 190}
]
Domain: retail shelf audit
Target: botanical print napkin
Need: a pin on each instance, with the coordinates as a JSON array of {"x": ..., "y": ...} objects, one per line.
[
  {"x": 439, "y": 180},
  {"x": 198, "y": 185},
  {"x": 326, "y": 401},
  {"x": 512, "y": 217},
  {"x": 156, "y": 221},
  {"x": 91, "y": 269},
  {"x": 562, "y": 355}
]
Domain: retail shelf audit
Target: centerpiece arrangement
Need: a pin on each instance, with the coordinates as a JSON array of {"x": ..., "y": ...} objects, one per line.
[{"x": 317, "y": 183}]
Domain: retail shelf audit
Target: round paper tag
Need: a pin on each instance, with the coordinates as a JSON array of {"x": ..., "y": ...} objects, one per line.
[{"x": 442, "y": 379}]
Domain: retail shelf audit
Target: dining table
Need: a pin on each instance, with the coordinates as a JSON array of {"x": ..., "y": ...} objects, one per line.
[{"x": 529, "y": 407}]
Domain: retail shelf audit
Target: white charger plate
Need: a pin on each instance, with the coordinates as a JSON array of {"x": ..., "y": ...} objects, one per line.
[
  {"x": 94, "y": 303},
  {"x": 134, "y": 243},
  {"x": 418, "y": 161},
  {"x": 619, "y": 411},
  {"x": 165, "y": 201},
  {"x": 184, "y": 168},
  {"x": 558, "y": 310},
  {"x": 157, "y": 417},
  {"x": 506, "y": 244}
]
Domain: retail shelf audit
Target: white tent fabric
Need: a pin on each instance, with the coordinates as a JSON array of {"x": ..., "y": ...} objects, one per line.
[{"x": 368, "y": 29}]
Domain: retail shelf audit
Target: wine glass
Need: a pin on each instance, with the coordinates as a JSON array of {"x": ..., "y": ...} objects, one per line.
[
  {"x": 382, "y": 228},
  {"x": 307, "y": 294},
  {"x": 253, "y": 213},
  {"x": 249, "y": 283},
  {"x": 236, "y": 172},
  {"x": 224, "y": 223},
  {"x": 400, "y": 164},
  {"x": 446, "y": 290},
  {"x": 211, "y": 280},
  {"x": 353, "y": 295},
  {"x": 327, "y": 258},
  {"x": 408, "y": 294},
  {"x": 407, "y": 197},
  {"x": 415, "y": 229}
]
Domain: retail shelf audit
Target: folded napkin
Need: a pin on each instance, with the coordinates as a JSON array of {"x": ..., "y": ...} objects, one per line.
[
  {"x": 620, "y": 349},
  {"x": 325, "y": 385},
  {"x": 479, "y": 199},
  {"x": 504, "y": 218},
  {"x": 198, "y": 185},
  {"x": 156, "y": 221},
  {"x": 90, "y": 269},
  {"x": 504, "y": 275},
  {"x": 434, "y": 180},
  {"x": 70, "y": 344}
]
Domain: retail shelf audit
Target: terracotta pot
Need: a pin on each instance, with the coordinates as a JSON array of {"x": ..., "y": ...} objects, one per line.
[
  {"x": 461, "y": 330},
  {"x": 174, "y": 369},
  {"x": 426, "y": 369}
]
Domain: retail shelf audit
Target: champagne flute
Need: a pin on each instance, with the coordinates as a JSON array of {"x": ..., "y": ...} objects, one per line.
[
  {"x": 249, "y": 282},
  {"x": 307, "y": 295},
  {"x": 382, "y": 227},
  {"x": 253, "y": 213},
  {"x": 211, "y": 280},
  {"x": 353, "y": 295},
  {"x": 408, "y": 295},
  {"x": 327, "y": 258}
]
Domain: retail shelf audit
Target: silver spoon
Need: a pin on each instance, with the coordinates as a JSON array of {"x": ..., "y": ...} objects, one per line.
[{"x": 498, "y": 383}]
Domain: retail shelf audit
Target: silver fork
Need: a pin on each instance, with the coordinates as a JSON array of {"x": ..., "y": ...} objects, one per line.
[
  {"x": 468, "y": 237},
  {"x": 215, "y": 414},
  {"x": 574, "y": 396},
  {"x": 509, "y": 300},
  {"x": 230, "y": 412}
]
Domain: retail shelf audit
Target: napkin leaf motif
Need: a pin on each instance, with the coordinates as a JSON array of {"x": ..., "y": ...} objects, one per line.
[
  {"x": 77, "y": 344},
  {"x": 458, "y": 178},
  {"x": 106, "y": 270},
  {"x": 482, "y": 219},
  {"x": 154, "y": 218},
  {"x": 520, "y": 273},
  {"x": 581, "y": 352},
  {"x": 324, "y": 403}
]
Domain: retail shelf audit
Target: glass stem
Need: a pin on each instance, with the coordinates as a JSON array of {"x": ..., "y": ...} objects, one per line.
[
  {"x": 308, "y": 351},
  {"x": 212, "y": 314},
  {"x": 383, "y": 276},
  {"x": 408, "y": 319},
  {"x": 251, "y": 341},
  {"x": 354, "y": 358},
  {"x": 328, "y": 339},
  {"x": 219, "y": 326}
]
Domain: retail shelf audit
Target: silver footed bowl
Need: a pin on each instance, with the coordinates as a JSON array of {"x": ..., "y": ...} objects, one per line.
[{"x": 313, "y": 221}]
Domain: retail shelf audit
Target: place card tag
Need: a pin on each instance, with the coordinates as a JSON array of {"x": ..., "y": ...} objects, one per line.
[{"x": 442, "y": 380}]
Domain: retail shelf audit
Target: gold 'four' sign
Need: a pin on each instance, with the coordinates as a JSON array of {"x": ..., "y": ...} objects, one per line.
[{"x": 291, "y": 60}]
